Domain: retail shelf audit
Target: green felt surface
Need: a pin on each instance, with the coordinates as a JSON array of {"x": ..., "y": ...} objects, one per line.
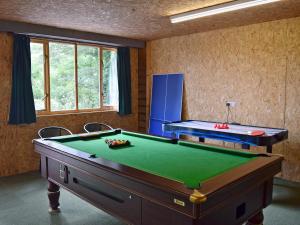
[{"x": 190, "y": 164}]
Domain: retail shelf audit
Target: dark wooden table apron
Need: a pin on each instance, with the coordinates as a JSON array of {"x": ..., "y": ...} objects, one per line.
[{"x": 138, "y": 197}]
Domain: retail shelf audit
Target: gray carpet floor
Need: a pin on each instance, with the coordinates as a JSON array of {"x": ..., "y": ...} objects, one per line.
[{"x": 23, "y": 201}]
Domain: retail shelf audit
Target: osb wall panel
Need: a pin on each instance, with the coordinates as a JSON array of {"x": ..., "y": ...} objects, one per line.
[
  {"x": 16, "y": 150},
  {"x": 257, "y": 66},
  {"x": 292, "y": 115}
]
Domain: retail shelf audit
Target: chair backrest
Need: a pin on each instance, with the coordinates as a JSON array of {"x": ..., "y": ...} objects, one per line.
[
  {"x": 95, "y": 126},
  {"x": 53, "y": 131}
]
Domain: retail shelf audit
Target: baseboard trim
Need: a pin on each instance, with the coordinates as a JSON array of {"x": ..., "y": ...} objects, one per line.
[{"x": 281, "y": 182}]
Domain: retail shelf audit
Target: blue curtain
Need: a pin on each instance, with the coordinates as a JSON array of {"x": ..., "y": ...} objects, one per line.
[
  {"x": 124, "y": 80},
  {"x": 22, "y": 109}
]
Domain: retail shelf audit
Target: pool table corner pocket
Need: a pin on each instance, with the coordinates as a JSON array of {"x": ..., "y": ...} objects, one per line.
[{"x": 197, "y": 197}]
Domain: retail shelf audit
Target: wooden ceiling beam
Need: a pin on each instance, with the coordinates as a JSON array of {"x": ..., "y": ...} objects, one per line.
[{"x": 41, "y": 31}]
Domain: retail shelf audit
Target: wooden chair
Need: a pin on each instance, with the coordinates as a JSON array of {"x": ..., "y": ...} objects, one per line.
[
  {"x": 53, "y": 131},
  {"x": 95, "y": 126}
]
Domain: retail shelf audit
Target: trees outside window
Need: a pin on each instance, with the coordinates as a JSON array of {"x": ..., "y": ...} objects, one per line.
[
  {"x": 110, "y": 78},
  {"x": 73, "y": 77},
  {"x": 38, "y": 75}
]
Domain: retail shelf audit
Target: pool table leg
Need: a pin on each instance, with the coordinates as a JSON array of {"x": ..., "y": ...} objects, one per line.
[
  {"x": 257, "y": 219},
  {"x": 53, "y": 196}
]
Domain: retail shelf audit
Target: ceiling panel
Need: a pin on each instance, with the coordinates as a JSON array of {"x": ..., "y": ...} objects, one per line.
[{"x": 139, "y": 19}]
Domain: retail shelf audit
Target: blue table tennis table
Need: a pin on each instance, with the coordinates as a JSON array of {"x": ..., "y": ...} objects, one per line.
[{"x": 236, "y": 133}]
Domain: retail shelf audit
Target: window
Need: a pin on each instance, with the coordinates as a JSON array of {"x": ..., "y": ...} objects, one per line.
[
  {"x": 37, "y": 75},
  {"x": 73, "y": 77},
  {"x": 62, "y": 76},
  {"x": 110, "y": 79}
]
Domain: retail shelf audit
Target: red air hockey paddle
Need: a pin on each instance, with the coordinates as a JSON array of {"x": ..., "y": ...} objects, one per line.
[{"x": 256, "y": 133}]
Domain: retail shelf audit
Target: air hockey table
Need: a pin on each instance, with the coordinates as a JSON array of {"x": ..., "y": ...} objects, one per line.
[{"x": 236, "y": 133}]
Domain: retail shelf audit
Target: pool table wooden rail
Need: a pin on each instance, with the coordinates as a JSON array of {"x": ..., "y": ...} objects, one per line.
[{"x": 153, "y": 197}]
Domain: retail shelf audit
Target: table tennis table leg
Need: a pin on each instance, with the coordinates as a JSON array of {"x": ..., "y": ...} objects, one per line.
[
  {"x": 246, "y": 146},
  {"x": 201, "y": 139},
  {"x": 175, "y": 135},
  {"x": 269, "y": 148}
]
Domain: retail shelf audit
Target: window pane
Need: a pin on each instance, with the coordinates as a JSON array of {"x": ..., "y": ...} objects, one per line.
[
  {"x": 88, "y": 77},
  {"x": 37, "y": 75},
  {"x": 62, "y": 76},
  {"x": 110, "y": 79}
]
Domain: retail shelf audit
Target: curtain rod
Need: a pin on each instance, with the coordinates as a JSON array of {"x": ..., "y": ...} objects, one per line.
[{"x": 67, "y": 40}]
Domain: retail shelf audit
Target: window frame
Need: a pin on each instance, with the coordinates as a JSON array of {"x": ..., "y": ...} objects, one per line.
[{"x": 47, "y": 96}]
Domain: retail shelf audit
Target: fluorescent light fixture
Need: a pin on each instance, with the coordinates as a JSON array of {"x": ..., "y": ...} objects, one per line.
[{"x": 217, "y": 9}]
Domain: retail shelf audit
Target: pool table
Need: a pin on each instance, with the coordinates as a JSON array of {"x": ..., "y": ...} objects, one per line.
[{"x": 159, "y": 181}]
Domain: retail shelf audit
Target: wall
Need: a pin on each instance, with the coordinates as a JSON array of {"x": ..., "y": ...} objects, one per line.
[
  {"x": 258, "y": 66},
  {"x": 16, "y": 150}
]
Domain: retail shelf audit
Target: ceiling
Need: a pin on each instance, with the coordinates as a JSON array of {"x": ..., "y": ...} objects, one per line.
[{"x": 138, "y": 19}]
